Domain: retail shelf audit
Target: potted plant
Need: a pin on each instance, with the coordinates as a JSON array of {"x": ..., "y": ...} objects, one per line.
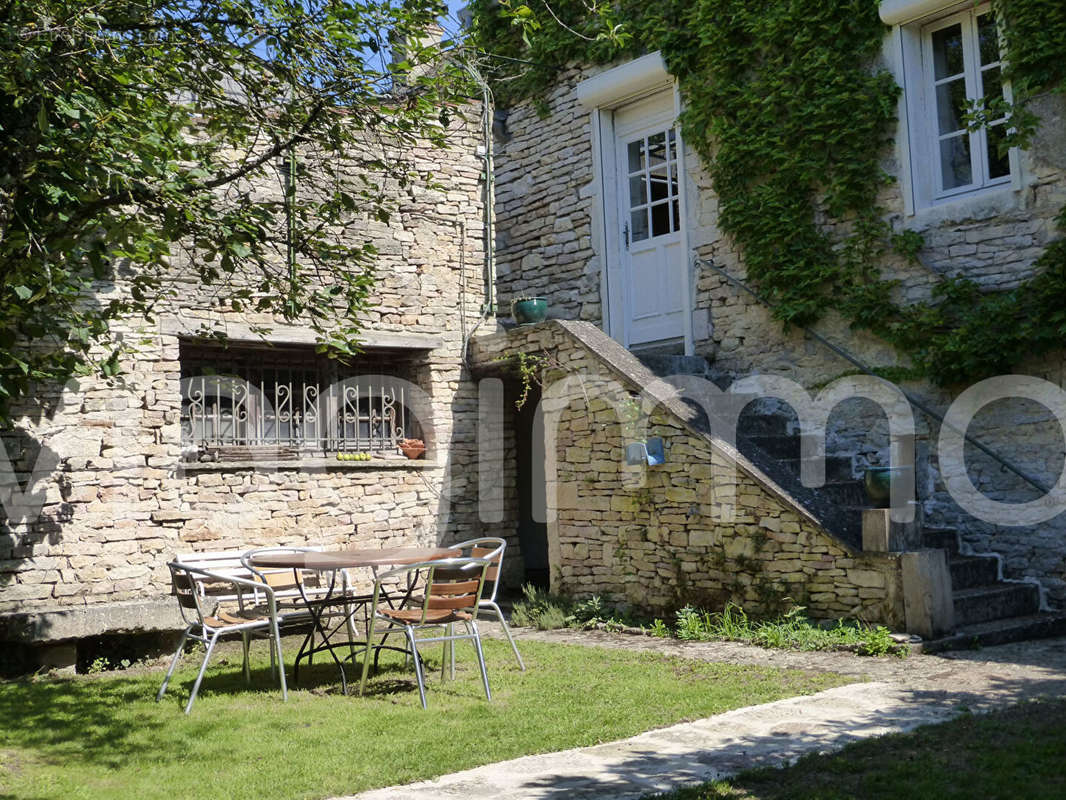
[
  {"x": 529, "y": 310},
  {"x": 878, "y": 483},
  {"x": 412, "y": 448}
]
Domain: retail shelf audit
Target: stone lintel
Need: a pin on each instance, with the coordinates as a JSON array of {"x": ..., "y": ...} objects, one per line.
[{"x": 285, "y": 334}]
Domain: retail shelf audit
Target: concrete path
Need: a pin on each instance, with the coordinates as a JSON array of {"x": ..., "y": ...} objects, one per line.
[{"x": 902, "y": 695}]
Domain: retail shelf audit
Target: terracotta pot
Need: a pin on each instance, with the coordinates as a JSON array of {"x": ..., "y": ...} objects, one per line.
[{"x": 413, "y": 448}]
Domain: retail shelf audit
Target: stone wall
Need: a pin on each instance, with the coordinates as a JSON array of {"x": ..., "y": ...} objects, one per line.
[
  {"x": 662, "y": 536},
  {"x": 547, "y": 206},
  {"x": 120, "y": 502}
]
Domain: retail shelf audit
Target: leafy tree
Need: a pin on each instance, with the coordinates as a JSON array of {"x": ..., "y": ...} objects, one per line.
[{"x": 140, "y": 141}]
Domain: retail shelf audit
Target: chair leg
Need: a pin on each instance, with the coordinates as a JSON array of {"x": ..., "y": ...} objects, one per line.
[
  {"x": 366, "y": 654},
  {"x": 173, "y": 663},
  {"x": 507, "y": 633},
  {"x": 203, "y": 669},
  {"x": 444, "y": 654},
  {"x": 481, "y": 662},
  {"x": 276, "y": 645},
  {"x": 451, "y": 648},
  {"x": 418, "y": 667},
  {"x": 245, "y": 666}
]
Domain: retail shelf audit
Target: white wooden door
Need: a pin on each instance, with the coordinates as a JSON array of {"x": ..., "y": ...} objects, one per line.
[{"x": 650, "y": 213}]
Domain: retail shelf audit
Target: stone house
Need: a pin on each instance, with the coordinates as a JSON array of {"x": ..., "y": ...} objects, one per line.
[
  {"x": 603, "y": 209},
  {"x": 634, "y": 268}
]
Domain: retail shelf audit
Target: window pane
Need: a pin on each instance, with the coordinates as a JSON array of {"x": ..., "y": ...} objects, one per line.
[
  {"x": 636, "y": 155},
  {"x": 947, "y": 51},
  {"x": 955, "y": 161},
  {"x": 988, "y": 38},
  {"x": 659, "y": 186},
  {"x": 656, "y": 149},
  {"x": 677, "y": 216},
  {"x": 992, "y": 81},
  {"x": 638, "y": 195},
  {"x": 638, "y": 229},
  {"x": 673, "y": 180},
  {"x": 660, "y": 219},
  {"x": 998, "y": 165},
  {"x": 950, "y": 106}
]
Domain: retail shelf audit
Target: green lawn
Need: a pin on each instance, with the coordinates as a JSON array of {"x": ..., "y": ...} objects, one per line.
[
  {"x": 105, "y": 737},
  {"x": 1010, "y": 754}
]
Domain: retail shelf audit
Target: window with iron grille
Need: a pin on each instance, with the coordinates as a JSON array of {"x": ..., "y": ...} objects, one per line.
[{"x": 292, "y": 400}]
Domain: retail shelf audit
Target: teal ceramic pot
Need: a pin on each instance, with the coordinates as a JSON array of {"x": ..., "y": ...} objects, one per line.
[
  {"x": 529, "y": 310},
  {"x": 878, "y": 483}
]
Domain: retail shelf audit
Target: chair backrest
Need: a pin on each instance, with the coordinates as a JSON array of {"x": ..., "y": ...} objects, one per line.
[
  {"x": 285, "y": 581},
  {"x": 186, "y": 585},
  {"x": 452, "y": 584},
  {"x": 490, "y": 548},
  {"x": 455, "y": 584}
]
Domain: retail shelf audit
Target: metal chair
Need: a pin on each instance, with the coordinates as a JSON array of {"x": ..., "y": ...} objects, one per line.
[
  {"x": 451, "y": 594},
  {"x": 189, "y": 586},
  {"x": 492, "y": 548}
]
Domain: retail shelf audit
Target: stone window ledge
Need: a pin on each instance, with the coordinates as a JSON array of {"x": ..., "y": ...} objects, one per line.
[{"x": 307, "y": 464}]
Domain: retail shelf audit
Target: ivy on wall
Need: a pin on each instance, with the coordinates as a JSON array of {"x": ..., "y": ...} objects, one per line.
[{"x": 791, "y": 118}]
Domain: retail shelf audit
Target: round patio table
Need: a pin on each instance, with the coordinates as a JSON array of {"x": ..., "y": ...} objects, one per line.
[{"x": 331, "y": 561}]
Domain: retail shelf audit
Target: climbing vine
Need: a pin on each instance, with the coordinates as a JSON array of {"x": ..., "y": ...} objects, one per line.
[{"x": 791, "y": 118}]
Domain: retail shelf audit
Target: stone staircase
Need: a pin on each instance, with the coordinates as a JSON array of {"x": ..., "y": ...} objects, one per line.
[{"x": 987, "y": 609}]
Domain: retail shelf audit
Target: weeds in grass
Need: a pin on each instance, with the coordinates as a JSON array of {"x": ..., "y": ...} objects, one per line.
[
  {"x": 790, "y": 631},
  {"x": 544, "y": 611},
  {"x": 793, "y": 631}
]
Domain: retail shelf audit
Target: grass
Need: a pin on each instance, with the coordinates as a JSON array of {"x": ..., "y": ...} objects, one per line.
[
  {"x": 1015, "y": 753},
  {"x": 105, "y": 737}
]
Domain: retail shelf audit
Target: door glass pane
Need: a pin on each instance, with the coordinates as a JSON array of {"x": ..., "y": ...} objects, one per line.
[
  {"x": 992, "y": 82},
  {"x": 657, "y": 149},
  {"x": 673, "y": 180},
  {"x": 660, "y": 187},
  {"x": 950, "y": 105},
  {"x": 638, "y": 226},
  {"x": 636, "y": 155},
  {"x": 955, "y": 161},
  {"x": 988, "y": 38},
  {"x": 677, "y": 216},
  {"x": 947, "y": 51},
  {"x": 638, "y": 194},
  {"x": 660, "y": 219},
  {"x": 998, "y": 165}
]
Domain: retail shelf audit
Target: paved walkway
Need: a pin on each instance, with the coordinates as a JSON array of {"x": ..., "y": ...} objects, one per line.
[{"x": 900, "y": 695}]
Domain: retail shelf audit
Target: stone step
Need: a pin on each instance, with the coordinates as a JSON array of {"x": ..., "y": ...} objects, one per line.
[
  {"x": 666, "y": 365},
  {"x": 968, "y": 572},
  {"x": 943, "y": 538},
  {"x": 1000, "y": 631},
  {"x": 752, "y": 425},
  {"x": 846, "y": 494},
  {"x": 996, "y": 601},
  {"x": 837, "y": 468},
  {"x": 776, "y": 445}
]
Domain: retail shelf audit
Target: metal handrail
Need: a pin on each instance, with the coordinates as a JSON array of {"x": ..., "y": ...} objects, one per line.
[{"x": 914, "y": 401}]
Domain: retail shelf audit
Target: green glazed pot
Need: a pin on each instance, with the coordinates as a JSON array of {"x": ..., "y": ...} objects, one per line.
[
  {"x": 878, "y": 483},
  {"x": 529, "y": 310}
]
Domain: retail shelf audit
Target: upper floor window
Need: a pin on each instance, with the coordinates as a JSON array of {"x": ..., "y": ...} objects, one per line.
[{"x": 961, "y": 66}]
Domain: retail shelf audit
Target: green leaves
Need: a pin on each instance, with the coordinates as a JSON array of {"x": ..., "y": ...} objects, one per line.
[
  {"x": 791, "y": 116},
  {"x": 139, "y": 152}
]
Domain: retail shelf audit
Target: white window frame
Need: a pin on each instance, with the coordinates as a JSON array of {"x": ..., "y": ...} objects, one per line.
[
  {"x": 909, "y": 50},
  {"x": 972, "y": 72}
]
